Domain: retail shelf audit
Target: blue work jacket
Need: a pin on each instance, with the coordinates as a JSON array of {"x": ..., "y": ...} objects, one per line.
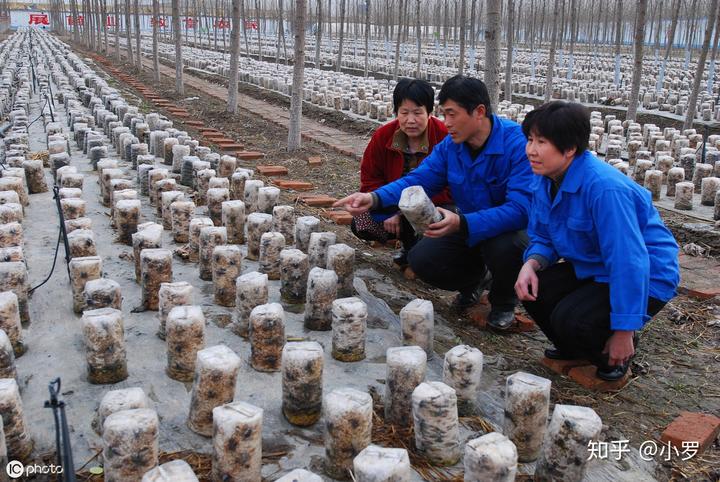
[
  {"x": 605, "y": 224},
  {"x": 492, "y": 191}
]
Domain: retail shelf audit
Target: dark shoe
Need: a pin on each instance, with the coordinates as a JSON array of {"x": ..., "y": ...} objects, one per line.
[
  {"x": 555, "y": 354},
  {"x": 400, "y": 258},
  {"x": 612, "y": 373},
  {"x": 469, "y": 297},
  {"x": 501, "y": 319}
]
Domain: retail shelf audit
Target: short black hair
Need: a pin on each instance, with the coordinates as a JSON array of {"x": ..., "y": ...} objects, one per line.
[
  {"x": 415, "y": 90},
  {"x": 467, "y": 92},
  {"x": 565, "y": 124}
]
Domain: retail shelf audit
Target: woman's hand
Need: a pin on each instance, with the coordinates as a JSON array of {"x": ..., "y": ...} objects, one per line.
[
  {"x": 356, "y": 204},
  {"x": 619, "y": 347},
  {"x": 526, "y": 286},
  {"x": 392, "y": 225},
  {"x": 449, "y": 224}
]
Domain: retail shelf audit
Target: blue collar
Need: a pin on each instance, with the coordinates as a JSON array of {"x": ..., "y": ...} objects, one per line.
[
  {"x": 574, "y": 176},
  {"x": 494, "y": 144}
]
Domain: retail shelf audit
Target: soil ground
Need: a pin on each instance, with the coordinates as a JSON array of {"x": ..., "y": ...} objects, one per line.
[{"x": 675, "y": 370}]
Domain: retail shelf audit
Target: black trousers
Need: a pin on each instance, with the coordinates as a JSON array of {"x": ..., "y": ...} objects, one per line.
[
  {"x": 575, "y": 314},
  {"x": 450, "y": 264}
]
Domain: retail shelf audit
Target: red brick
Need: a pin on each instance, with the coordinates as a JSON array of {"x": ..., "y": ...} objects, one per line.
[
  {"x": 272, "y": 170},
  {"x": 315, "y": 160},
  {"x": 562, "y": 367},
  {"x": 207, "y": 130},
  {"x": 295, "y": 185},
  {"x": 194, "y": 123},
  {"x": 321, "y": 201},
  {"x": 249, "y": 155},
  {"x": 342, "y": 218},
  {"x": 524, "y": 323},
  {"x": 692, "y": 427},
  {"x": 587, "y": 377}
]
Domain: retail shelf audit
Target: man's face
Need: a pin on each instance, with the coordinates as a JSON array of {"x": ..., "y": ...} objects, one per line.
[{"x": 460, "y": 125}]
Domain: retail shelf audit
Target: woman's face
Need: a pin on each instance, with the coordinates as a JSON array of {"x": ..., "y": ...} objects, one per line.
[
  {"x": 546, "y": 159},
  {"x": 413, "y": 118}
]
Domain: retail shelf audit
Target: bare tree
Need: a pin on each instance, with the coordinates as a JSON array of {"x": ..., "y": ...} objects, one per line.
[
  {"x": 128, "y": 33},
  {"x": 294, "y": 137},
  {"x": 673, "y": 27},
  {"x": 618, "y": 38},
  {"x": 367, "y": 36},
  {"x": 492, "y": 51},
  {"x": 234, "y": 54},
  {"x": 551, "y": 58},
  {"x": 692, "y": 102},
  {"x": 156, "y": 56},
  {"x": 508, "y": 58},
  {"x": 117, "y": 31},
  {"x": 177, "y": 34},
  {"x": 342, "y": 35},
  {"x": 463, "y": 21},
  {"x": 637, "y": 67},
  {"x": 318, "y": 34},
  {"x": 136, "y": 5},
  {"x": 244, "y": 28},
  {"x": 399, "y": 39},
  {"x": 418, "y": 39}
]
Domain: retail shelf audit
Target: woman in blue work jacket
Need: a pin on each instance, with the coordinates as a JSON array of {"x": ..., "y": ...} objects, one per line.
[{"x": 600, "y": 263}]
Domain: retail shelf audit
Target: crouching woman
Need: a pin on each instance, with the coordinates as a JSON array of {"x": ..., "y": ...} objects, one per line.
[{"x": 600, "y": 263}]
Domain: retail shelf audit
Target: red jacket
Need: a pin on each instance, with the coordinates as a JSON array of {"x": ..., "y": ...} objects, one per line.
[{"x": 382, "y": 163}]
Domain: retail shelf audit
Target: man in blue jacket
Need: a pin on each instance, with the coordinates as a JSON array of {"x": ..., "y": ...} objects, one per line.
[{"x": 483, "y": 161}]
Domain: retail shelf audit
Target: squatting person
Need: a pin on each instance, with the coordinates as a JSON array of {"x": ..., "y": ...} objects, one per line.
[
  {"x": 484, "y": 164},
  {"x": 394, "y": 150},
  {"x": 600, "y": 263}
]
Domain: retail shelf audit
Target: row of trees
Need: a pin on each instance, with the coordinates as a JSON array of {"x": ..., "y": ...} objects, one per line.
[{"x": 559, "y": 24}]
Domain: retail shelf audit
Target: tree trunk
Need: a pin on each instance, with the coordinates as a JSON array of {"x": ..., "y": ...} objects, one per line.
[
  {"x": 573, "y": 23},
  {"x": 692, "y": 103},
  {"x": 257, "y": 16},
  {"x": 117, "y": 31},
  {"x": 658, "y": 26},
  {"x": 128, "y": 33},
  {"x": 418, "y": 40},
  {"x": 156, "y": 56},
  {"x": 105, "y": 23},
  {"x": 551, "y": 59},
  {"x": 318, "y": 34},
  {"x": 342, "y": 36},
  {"x": 74, "y": 13},
  {"x": 492, "y": 51},
  {"x": 137, "y": 35},
  {"x": 508, "y": 58},
  {"x": 463, "y": 22},
  {"x": 234, "y": 54},
  {"x": 397, "y": 42},
  {"x": 294, "y": 138},
  {"x": 673, "y": 27},
  {"x": 244, "y": 28},
  {"x": 637, "y": 67},
  {"x": 367, "y": 37},
  {"x": 179, "y": 86}
]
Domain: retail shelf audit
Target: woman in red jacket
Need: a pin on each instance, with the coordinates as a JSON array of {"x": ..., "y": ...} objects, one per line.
[{"x": 395, "y": 149}]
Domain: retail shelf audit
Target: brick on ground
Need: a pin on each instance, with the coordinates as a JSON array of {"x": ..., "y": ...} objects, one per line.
[
  {"x": 315, "y": 160},
  {"x": 249, "y": 155},
  {"x": 342, "y": 218},
  {"x": 587, "y": 377},
  {"x": 562, "y": 367},
  {"x": 292, "y": 184},
  {"x": 702, "y": 428},
  {"x": 272, "y": 170}
]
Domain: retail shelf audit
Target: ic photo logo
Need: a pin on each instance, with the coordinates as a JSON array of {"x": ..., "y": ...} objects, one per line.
[{"x": 15, "y": 469}]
